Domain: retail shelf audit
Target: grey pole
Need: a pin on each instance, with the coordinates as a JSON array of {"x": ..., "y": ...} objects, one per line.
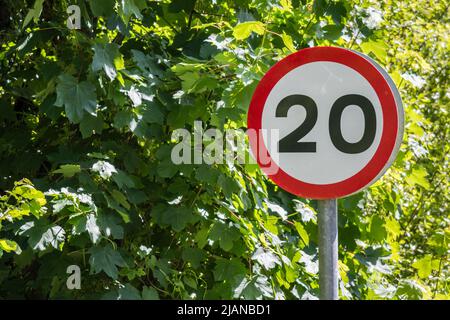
[{"x": 328, "y": 249}]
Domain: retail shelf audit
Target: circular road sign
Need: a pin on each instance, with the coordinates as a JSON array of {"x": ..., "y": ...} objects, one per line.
[{"x": 325, "y": 122}]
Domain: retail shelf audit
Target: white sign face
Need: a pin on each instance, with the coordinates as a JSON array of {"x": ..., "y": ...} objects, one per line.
[
  {"x": 338, "y": 118},
  {"x": 324, "y": 83}
]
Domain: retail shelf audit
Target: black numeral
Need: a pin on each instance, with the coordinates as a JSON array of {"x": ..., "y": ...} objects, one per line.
[
  {"x": 370, "y": 123},
  {"x": 290, "y": 143}
]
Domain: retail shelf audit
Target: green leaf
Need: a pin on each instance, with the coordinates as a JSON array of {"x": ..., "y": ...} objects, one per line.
[
  {"x": 266, "y": 258},
  {"x": 110, "y": 225},
  {"x": 277, "y": 209},
  {"x": 176, "y": 217},
  {"x": 9, "y": 245},
  {"x": 228, "y": 185},
  {"x": 105, "y": 258},
  {"x": 120, "y": 198},
  {"x": 411, "y": 289},
  {"x": 146, "y": 64},
  {"x": 424, "y": 266},
  {"x": 243, "y": 30},
  {"x": 287, "y": 40},
  {"x": 393, "y": 227},
  {"x": 188, "y": 80},
  {"x": 286, "y": 4},
  {"x": 77, "y": 98},
  {"x": 126, "y": 292},
  {"x": 378, "y": 48},
  {"x": 310, "y": 262},
  {"x": 153, "y": 114},
  {"x": 108, "y": 58},
  {"x": 181, "y": 5},
  {"x": 91, "y": 125},
  {"x": 319, "y": 7},
  {"x": 59, "y": 205},
  {"x": 191, "y": 282},
  {"x": 338, "y": 10},
  {"x": 245, "y": 95},
  {"x": 228, "y": 269},
  {"x": 418, "y": 177},
  {"x": 194, "y": 256},
  {"x": 377, "y": 230},
  {"x": 123, "y": 180},
  {"x": 34, "y": 13},
  {"x": 102, "y": 7},
  {"x": 167, "y": 169},
  {"x": 202, "y": 237},
  {"x": 25, "y": 189},
  {"x": 136, "y": 197},
  {"x": 440, "y": 241},
  {"x": 123, "y": 119},
  {"x": 131, "y": 7},
  {"x": 41, "y": 235},
  {"x": 205, "y": 173},
  {"x": 149, "y": 293},
  {"x": 113, "y": 204},
  {"x": 302, "y": 232},
  {"x": 68, "y": 170},
  {"x": 332, "y": 32},
  {"x": 31, "y": 199},
  {"x": 257, "y": 288},
  {"x": 374, "y": 260},
  {"x": 224, "y": 234},
  {"x": 88, "y": 223}
]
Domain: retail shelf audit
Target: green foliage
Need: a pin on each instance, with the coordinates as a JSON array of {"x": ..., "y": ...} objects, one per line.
[
  {"x": 243, "y": 30},
  {"x": 108, "y": 58},
  {"x": 75, "y": 97},
  {"x": 105, "y": 259},
  {"x": 87, "y": 116}
]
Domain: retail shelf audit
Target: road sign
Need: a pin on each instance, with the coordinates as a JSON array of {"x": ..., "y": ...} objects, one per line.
[{"x": 329, "y": 119}]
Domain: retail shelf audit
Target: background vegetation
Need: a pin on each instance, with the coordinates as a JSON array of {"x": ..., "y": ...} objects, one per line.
[{"x": 85, "y": 136}]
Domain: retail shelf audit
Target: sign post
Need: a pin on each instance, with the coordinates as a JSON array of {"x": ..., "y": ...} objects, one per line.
[
  {"x": 326, "y": 123},
  {"x": 330, "y": 122},
  {"x": 328, "y": 249}
]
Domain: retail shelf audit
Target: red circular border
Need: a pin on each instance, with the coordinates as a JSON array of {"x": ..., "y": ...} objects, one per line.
[{"x": 390, "y": 121}]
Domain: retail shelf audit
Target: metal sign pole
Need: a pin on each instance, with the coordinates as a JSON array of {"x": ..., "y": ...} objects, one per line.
[{"x": 328, "y": 249}]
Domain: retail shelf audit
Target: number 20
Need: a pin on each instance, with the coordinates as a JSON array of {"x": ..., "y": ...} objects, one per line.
[{"x": 290, "y": 143}]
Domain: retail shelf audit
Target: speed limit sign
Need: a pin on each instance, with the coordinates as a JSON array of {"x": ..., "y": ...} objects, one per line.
[{"x": 330, "y": 120}]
